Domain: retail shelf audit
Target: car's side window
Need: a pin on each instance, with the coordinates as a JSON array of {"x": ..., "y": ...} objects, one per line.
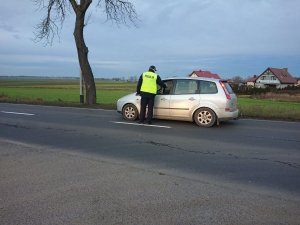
[
  {"x": 208, "y": 87},
  {"x": 168, "y": 89},
  {"x": 184, "y": 87}
]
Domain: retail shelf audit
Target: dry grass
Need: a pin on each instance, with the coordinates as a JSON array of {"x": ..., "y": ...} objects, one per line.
[{"x": 288, "y": 97}]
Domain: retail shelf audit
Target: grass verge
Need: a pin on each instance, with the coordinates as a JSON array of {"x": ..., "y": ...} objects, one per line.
[{"x": 268, "y": 109}]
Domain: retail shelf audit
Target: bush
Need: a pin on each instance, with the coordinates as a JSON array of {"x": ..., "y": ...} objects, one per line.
[{"x": 249, "y": 90}]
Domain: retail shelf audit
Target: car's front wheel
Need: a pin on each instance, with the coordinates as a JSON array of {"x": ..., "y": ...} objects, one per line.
[
  {"x": 130, "y": 112},
  {"x": 205, "y": 117}
]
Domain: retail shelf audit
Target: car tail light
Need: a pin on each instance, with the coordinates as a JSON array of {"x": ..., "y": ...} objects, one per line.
[{"x": 225, "y": 90}]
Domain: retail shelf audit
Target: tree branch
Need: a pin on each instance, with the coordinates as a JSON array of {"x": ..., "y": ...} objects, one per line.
[
  {"x": 48, "y": 28},
  {"x": 119, "y": 11}
]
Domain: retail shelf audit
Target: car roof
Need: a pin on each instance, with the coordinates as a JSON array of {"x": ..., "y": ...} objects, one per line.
[{"x": 192, "y": 78}]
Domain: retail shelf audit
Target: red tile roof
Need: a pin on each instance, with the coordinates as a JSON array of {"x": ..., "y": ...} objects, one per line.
[
  {"x": 208, "y": 74},
  {"x": 252, "y": 79},
  {"x": 283, "y": 75}
]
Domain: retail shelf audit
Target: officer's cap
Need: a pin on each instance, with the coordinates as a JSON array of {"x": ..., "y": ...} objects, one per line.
[{"x": 152, "y": 68}]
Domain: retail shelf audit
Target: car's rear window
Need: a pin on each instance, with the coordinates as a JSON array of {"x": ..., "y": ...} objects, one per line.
[{"x": 228, "y": 88}]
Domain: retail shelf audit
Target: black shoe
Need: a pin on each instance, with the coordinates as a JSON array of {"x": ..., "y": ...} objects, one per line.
[
  {"x": 149, "y": 122},
  {"x": 141, "y": 122}
]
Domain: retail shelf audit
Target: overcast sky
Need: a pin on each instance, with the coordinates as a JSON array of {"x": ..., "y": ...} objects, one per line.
[{"x": 230, "y": 38}]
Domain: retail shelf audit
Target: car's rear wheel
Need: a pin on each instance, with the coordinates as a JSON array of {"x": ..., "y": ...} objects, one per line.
[
  {"x": 130, "y": 112},
  {"x": 205, "y": 117}
]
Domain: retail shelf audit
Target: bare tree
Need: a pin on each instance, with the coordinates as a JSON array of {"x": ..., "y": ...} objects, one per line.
[
  {"x": 119, "y": 11},
  {"x": 237, "y": 80}
]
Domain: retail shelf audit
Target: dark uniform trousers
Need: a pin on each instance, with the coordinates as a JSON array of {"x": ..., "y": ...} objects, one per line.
[{"x": 147, "y": 99}]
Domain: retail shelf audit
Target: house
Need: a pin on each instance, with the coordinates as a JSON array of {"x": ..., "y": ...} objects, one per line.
[
  {"x": 298, "y": 82},
  {"x": 273, "y": 77},
  {"x": 201, "y": 73},
  {"x": 251, "y": 81}
]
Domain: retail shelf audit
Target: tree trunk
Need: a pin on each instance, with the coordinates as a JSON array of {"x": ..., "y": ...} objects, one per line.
[{"x": 82, "y": 52}]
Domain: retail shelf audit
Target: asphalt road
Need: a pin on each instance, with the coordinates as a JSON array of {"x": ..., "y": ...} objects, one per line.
[{"x": 84, "y": 166}]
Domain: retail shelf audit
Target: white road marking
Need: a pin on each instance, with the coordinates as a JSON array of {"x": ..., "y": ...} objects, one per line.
[
  {"x": 140, "y": 124},
  {"x": 19, "y": 113}
]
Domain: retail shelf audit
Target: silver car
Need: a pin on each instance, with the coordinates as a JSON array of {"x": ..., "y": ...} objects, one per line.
[{"x": 204, "y": 101}]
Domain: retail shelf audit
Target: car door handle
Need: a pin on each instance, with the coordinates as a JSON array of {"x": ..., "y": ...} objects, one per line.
[
  {"x": 192, "y": 99},
  {"x": 163, "y": 99}
]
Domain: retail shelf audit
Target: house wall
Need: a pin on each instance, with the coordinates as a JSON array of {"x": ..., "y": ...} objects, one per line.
[
  {"x": 284, "y": 85},
  {"x": 278, "y": 86},
  {"x": 268, "y": 79}
]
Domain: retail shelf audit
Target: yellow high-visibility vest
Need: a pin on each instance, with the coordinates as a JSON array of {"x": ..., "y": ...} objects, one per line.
[{"x": 149, "y": 82}]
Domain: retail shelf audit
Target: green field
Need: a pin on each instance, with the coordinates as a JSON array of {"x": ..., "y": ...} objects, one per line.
[
  {"x": 61, "y": 91},
  {"x": 65, "y": 92},
  {"x": 268, "y": 109}
]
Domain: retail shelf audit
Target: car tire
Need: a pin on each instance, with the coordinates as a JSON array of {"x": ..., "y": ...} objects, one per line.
[
  {"x": 205, "y": 117},
  {"x": 130, "y": 112}
]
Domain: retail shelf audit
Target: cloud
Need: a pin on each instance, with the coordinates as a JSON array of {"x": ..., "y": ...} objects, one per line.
[
  {"x": 8, "y": 28},
  {"x": 177, "y": 36},
  {"x": 224, "y": 27}
]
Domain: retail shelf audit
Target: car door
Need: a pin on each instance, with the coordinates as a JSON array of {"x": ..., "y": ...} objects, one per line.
[
  {"x": 185, "y": 98},
  {"x": 162, "y": 101}
]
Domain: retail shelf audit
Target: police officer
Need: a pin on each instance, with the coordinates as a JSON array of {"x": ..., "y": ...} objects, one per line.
[{"x": 147, "y": 88}]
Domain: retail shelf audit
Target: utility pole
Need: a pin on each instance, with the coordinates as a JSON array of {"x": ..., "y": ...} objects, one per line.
[{"x": 81, "y": 88}]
